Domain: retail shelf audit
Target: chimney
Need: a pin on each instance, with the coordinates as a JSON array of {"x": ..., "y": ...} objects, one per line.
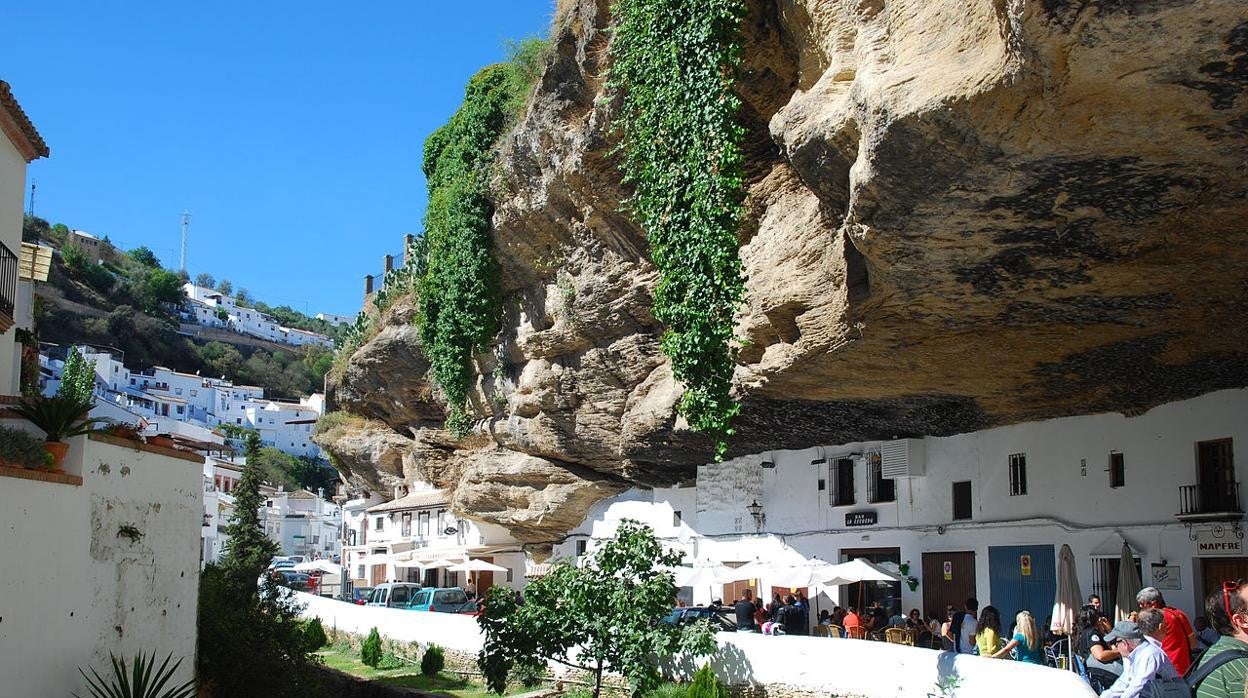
[
  {"x": 368, "y": 286},
  {"x": 387, "y": 264}
]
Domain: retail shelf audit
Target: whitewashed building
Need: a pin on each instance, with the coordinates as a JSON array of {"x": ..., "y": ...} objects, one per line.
[
  {"x": 980, "y": 514},
  {"x": 389, "y": 541},
  {"x": 211, "y": 308},
  {"x": 303, "y": 523},
  {"x": 336, "y": 320}
]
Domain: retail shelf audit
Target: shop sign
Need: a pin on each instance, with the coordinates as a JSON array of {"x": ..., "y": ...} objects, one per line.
[
  {"x": 1166, "y": 577},
  {"x": 1220, "y": 542},
  {"x": 948, "y": 571},
  {"x": 1024, "y": 562},
  {"x": 861, "y": 518}
]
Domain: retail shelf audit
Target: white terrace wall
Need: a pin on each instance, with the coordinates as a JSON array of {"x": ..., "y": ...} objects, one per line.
[
  {"x": 74, "y": 590},
  {"x": 811, "y": 665}
]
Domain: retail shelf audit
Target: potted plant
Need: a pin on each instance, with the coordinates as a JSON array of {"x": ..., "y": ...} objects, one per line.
[
  {"x": 22, "y": 449},
  {"x": 60, "y": 418}
]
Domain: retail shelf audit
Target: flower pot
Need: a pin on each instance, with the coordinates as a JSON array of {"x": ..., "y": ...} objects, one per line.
[{"x": 58, "y": 449}]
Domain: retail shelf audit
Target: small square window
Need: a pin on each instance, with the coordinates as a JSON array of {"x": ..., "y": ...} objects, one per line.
[
  {"x": 962, "y": 501},
  {"x": 823, "y": 484},
  {"x": 676, "y": 518},
  {"x": 580, "y": 547},
  {"x": 1117, "y": 470}
]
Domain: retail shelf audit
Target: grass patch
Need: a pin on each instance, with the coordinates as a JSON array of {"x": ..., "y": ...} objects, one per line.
[{"x": 409, "y": 676}]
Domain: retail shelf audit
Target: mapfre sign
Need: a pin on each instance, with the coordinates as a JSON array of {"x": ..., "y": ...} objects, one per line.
[{"x": 1222, "y": 543}]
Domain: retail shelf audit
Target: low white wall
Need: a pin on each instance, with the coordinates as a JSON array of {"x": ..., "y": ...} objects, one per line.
[
  {"x": 819, "y": 665},
  {"x": 844, "y": 668},
  {"x": 450, "y": 630},
  {"x": 73, "y": 590}
]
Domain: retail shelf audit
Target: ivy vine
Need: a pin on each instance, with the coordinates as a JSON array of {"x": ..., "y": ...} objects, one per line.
[
  {"x": 674, "y": 64},
  {"x": 460, "y": 300}
]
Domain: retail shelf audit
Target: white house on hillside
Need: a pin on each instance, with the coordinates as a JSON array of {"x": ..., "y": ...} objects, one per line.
[{"x": 211, "y": 308}]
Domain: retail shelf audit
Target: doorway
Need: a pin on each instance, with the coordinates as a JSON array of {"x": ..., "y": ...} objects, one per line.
[
  {"x": 1215, "y": 466},
  {"x": 948, "y": 580},
  {"x": 861, "y": 594},
  {"x": 1215, "y": 570},
  {"x": 1022, "y": 577}
]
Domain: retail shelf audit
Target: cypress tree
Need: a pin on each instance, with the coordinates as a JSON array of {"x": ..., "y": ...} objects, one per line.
[{"x": 248, "y": 550}]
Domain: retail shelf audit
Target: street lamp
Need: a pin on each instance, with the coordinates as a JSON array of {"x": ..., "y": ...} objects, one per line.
[{"x": 756, "y": 511}]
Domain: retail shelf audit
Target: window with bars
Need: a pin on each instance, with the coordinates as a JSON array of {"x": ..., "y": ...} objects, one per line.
[
  {"x": 1018, "y": 474},
  {"x": 377, "y": 523},
  {"x": 1105, "y": 571},
  {"x": 841, "y": 475},
  {"x": 879, "y": 488},
  {"x": 422, "y": 524},
  {"x": 1117, "y": 470}
]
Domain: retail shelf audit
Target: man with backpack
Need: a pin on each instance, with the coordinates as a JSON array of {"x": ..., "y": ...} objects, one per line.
[
  {"x": 962, "y": 628},
  {"x": 1220, "y": 671}
]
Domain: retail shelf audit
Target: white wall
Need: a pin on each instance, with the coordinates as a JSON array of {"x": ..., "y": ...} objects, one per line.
[
  {"x": 74, "y": 589},
  {"x": 12, "y": 187},
  {"x": 450, "y": 630}
]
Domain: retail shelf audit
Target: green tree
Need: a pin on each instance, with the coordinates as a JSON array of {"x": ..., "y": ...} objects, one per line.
[
  {"x": 370, "y": 651},
  {"x": 248, "y": 550},
  {"x": 243, "y": 297},
  {"x": 707, "y": 685},
  {"x": 225, "y": 287},
  {"x": 145, "y": 256},
  {"x": 159, "y": 286},
  {"x": 607, "y": 610},
  {"x": 205, "y": 279},
  {"x": 77, "y": 378},
  {"x": 34, "y": 228}
]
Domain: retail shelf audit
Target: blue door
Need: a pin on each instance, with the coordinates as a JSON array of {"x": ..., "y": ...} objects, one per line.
[{"x": 1022, "y": 577}]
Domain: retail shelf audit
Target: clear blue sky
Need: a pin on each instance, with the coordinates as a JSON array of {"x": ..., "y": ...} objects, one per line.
[{"x": 291, "y": 130}]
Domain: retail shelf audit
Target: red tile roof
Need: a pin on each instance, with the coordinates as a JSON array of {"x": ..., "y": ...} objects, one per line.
[{"x": 17, "y": 126}]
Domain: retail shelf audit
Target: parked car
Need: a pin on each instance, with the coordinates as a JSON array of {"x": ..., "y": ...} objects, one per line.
[
  {"x": 392, "y": 594},
  {"x": 359, "y": 595},
  {"x": 449, "y": 600},
  {"x": 290, "y": 579},
  {"x": 281, "y": 563},
  {"x": 717, "y": 616}
]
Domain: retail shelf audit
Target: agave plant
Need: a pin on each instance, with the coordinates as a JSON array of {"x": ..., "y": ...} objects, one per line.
[
  {"x": 142, "y": 680},
  {"x": 59, "y": 417}
]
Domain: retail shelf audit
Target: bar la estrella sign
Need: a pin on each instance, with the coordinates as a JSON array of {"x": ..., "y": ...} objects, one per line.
[
  {"x": 1220, "y": 543},
  {"x": 860, "y": 518}
]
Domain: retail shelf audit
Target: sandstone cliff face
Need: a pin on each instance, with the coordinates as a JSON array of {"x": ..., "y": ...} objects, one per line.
[{"x": 962, "y": 214}]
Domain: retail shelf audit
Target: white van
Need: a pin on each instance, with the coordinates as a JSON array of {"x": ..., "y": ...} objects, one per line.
[{"x": 392, "y": 594}]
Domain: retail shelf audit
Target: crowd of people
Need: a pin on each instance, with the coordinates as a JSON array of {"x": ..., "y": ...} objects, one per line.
[{"x": 1129, "y": 659}]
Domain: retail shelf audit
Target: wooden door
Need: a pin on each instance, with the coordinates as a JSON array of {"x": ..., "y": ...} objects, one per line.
[
  {"x": 485, "y": 580},
  {"x": 378, "y": 574},
  {"x": 1214, "y": 571},
  {"x": 1215, "y": 464},
  {"x": 943, "y": 588},
  {"x": 733, "y": 591}
]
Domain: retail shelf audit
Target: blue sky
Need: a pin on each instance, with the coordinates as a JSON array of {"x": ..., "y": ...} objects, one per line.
[{"x": 292, "y": 131}]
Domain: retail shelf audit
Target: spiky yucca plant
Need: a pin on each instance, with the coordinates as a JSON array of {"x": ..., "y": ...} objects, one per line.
[{"x": 142, "y": 680}]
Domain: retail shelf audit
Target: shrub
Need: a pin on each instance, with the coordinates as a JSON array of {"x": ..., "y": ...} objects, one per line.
[
  {"x": 669, "y": 690},
  {"x": 314, "y": 634},
  {"x": 707, "y": 685},
  {"x": 144, "y": 681},
  {"x": 22, "y": 449},
  {"x": 433, "y": 661},
  {"x": 370, "y": 653}
]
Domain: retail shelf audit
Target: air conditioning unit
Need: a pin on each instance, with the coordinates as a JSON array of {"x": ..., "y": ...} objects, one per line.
[{"x": 903, "y": 458}]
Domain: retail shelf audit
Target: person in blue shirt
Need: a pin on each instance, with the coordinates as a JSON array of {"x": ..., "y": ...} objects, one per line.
[{"x": 1026, "y": 641}]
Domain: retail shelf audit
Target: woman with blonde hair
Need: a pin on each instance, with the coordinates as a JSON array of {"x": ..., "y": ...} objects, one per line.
[{"x": 1026, "y": 641}]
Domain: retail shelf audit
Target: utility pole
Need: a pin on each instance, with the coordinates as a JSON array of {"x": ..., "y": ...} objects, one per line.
[
  {"x": 186, "y": 221},
  {"x": 32, "y": 198}
]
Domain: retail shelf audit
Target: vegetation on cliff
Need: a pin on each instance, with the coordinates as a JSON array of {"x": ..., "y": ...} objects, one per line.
[
  {"x": 674, "y": 66},
  {"x": 459, "y": 289}
]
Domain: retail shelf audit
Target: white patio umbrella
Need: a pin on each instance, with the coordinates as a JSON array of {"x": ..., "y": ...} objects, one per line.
[
  {"x": 858, "y": 570},
  {"x": 1066, "y": 606},
  {"x": 701, "y": 574},
  {"x": 807, "y": 574},
  {"x": 1128, "y": 584},
  {"x": 753, "y": 569},
  {"x": 475, "y": 565}
]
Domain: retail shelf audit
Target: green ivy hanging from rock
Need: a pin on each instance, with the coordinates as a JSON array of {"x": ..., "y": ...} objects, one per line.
[
  {"x": 459, "y": 292},
  {"x": 674, "y": 64}
]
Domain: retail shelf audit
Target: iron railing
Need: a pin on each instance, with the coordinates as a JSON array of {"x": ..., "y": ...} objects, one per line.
[
  {"x": 8, "y": 283},
  {"x": 1199, "y": 499}
]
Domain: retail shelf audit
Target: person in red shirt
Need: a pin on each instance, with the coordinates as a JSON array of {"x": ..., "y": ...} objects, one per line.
[
  {"x": 1180, "y": 638},
  {"x": 852, "y": 620}
]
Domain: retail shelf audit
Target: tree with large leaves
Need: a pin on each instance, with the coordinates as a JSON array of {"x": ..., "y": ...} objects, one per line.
[{"x": 601, "y": 616}]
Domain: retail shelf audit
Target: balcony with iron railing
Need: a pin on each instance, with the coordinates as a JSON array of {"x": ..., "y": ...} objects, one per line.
[
  {"x": 8, "y": 287},
  {"x": 1205, "y": 503}
]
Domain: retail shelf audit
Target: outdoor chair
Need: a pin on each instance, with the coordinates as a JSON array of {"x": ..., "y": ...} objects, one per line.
[
  {"x": 856, "y": 632},
  {"x": 821, "y": 631},
  {"x": 836, "y": 631},
  {"x": 895, "y": 636}
]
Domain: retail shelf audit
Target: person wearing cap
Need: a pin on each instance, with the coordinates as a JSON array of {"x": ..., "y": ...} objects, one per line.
[
  {"x": 1143, "y": 659},
  {"x": 1180, "y": 638}
]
